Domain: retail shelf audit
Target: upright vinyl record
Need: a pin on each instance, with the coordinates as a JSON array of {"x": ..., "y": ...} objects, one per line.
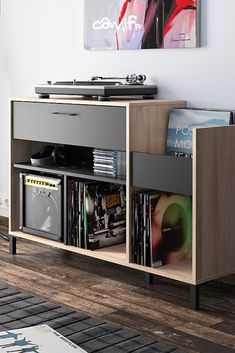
[{"x": 171, "y": 228}]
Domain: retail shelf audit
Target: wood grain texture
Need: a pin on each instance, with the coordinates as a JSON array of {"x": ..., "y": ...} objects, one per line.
[
  {"x": 180, "y": 271},
  {"x": 148, "y": 126},
  {"x": 18, "y": 310},
  {"x": 113, "y": 102},
  {"x": 118, "y": 295},
  {"x": 214, "y": 203},
  {"x": 210, "y": 334}
]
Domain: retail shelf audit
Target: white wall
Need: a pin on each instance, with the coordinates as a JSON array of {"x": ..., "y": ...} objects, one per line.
[{"x": 42, "y": 40}]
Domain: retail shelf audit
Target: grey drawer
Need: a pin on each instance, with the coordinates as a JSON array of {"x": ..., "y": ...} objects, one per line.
[
  {"x": 82, "y": 125},
  {"x": 164, "y": 173}
]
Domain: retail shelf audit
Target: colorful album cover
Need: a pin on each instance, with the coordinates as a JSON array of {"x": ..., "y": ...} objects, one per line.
[
  {"x": 182, "y": 122},
  {"x": 36, "y": 339},
  {"x": 140, "y": 24},
  {"x": 171, "y": 228},
  {"x": 105, "y": 213}
]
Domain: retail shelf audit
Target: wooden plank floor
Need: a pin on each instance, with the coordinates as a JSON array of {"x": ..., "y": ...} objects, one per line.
[
  {"x": 117, "y": 295},
  {"x": 19, "y": 310}
]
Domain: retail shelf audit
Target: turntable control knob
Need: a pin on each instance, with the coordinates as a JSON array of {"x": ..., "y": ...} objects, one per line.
[
  {"x": 48, "y": 82},
  {"x": 141, "y": 78}
]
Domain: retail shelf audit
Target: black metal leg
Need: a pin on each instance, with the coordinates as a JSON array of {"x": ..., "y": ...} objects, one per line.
[
  {"x": 12, "y": 245},
  {"x": 148, "y": 278},
  {"x": 194, "y": 296}
]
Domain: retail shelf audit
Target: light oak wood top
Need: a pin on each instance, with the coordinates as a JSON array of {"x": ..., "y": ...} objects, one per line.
[
  {"x": 181, "y": 271},
  {"x": 112, "y": 102}
]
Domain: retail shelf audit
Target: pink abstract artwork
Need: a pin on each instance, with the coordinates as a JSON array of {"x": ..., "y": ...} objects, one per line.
[{"x": 140, "y": 24}]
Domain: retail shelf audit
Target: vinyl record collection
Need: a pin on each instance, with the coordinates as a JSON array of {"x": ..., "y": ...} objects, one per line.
[
  {"x": 108, "y": 162},
  {"x": 96, "y": 214},
  {"x": 183, "y": 121},
  {"x": 161, "y": 228}
]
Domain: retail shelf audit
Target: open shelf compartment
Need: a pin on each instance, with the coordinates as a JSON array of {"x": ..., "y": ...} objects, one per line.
[
  {"x": 78, "y": 172},
  {"x": 181, "y": 271},
  {"x": 115, "y": 253}
]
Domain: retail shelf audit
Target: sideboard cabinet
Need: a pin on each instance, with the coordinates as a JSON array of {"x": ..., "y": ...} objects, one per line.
[{"x": 138, "y": 127}]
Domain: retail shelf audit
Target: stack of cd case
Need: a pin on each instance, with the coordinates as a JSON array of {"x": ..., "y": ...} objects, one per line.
[{"x": 109, "y": 162}]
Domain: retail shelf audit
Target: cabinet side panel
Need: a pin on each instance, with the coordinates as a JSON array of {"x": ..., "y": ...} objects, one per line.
[
  {"x": 214, "y": 201},
  {"x": 148, "y": 126}
]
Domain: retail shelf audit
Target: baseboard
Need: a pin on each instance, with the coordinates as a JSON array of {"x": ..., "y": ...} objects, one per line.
[{"x": 4, "y": 221}]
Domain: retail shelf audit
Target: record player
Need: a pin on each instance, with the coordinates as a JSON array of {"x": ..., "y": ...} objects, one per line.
[{"x": 101, "y": 87}]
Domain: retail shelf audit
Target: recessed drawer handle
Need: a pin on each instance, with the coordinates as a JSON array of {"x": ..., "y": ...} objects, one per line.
[{"x": 68, "y": 114}]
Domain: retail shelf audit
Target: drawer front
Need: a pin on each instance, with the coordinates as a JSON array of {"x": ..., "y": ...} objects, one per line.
[
  {"x": 163, "y": 173},
  {"x": 81, "y": 125}
]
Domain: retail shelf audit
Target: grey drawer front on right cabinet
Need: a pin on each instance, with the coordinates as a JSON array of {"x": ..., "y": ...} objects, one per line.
[
  {"x": 72, "y": 124},
  {"x": 163, "y": 173}
]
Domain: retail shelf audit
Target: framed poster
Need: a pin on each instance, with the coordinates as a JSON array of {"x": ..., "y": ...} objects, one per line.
[{"x": 140, "y": 24}]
